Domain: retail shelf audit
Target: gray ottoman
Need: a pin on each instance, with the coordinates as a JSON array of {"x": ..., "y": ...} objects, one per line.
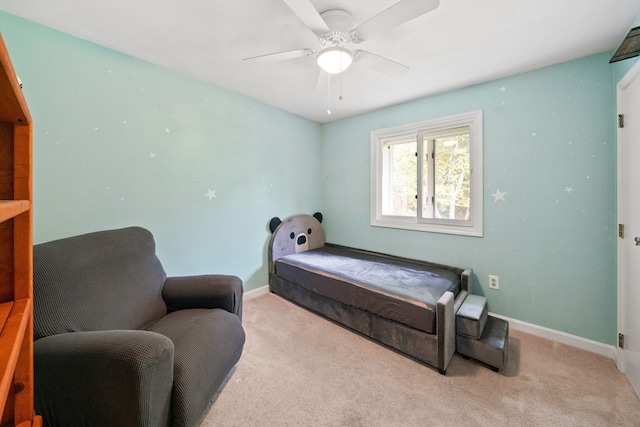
[
  {"x": 472, "y": 316},
  {"x": 491, "y": 347}
]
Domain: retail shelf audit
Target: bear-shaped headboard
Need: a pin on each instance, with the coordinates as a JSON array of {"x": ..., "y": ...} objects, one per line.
[{"x": 297, "y": 233}]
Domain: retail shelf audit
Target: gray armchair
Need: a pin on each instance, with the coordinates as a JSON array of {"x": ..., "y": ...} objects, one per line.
[{"x": 117, "y": 343}]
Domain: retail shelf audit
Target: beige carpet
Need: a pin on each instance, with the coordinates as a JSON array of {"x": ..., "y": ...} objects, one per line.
[{"x": 299, "y": 369}]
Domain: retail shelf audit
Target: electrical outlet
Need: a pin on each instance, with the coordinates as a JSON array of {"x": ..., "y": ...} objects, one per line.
[{"x": 494, "y": 282}]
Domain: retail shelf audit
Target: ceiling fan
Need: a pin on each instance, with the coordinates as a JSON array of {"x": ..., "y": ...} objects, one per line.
[{"x": 335, "y": 32}]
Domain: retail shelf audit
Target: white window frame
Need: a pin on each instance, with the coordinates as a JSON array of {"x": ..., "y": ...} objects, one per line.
[{"x": 471, "y": 227}]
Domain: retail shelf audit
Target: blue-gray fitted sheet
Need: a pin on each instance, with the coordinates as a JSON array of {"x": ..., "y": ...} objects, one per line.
[{"x": 401, "y": 290}]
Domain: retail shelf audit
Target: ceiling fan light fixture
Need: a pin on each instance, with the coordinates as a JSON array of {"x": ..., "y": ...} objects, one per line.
[{"x": 334, "y": 59}]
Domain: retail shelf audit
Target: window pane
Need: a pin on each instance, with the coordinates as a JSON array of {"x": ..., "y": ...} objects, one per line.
[
  {"x": 427, "y": 188},
  {"x": 452, "y": 176},
  {"x": 401, "y": 191}
]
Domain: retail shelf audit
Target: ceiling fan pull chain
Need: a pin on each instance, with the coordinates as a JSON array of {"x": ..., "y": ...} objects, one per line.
[{"x": 328, "y": 93}]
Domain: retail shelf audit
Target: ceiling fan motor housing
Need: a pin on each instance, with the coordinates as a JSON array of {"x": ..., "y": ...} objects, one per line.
[{"x": 340, "y": 23}]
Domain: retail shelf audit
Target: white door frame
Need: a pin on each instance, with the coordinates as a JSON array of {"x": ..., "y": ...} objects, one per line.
[{"x": 622, "y": 284}]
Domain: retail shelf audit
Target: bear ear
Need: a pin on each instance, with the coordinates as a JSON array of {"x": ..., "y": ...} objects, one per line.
[
  {"x": 274, "y": 223},
  {"x": 318, "y": 216}
]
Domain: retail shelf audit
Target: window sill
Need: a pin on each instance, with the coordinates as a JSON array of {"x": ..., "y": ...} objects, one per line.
[{"x": 412, "y": 224}]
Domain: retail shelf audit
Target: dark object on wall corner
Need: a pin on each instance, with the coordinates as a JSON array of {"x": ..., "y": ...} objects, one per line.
[{"x": 629, "y": 47}]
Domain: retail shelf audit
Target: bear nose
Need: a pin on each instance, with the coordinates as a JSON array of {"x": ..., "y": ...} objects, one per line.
[{"x": 302, "y": 239}]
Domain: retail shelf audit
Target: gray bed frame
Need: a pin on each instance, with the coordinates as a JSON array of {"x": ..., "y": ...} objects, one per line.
[{"x": 304, "y": 232}]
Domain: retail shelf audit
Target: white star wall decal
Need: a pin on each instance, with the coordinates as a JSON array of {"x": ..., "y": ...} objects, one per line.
[
  {"x": 498, "y": 195},
  {"x": 211, "y": 194},
  {"x": 568, "y": 189}
]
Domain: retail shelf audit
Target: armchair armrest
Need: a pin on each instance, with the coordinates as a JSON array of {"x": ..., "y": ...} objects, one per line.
[
  {"x": 205, "y": 291},
  {"x": 104, "y": 378}
]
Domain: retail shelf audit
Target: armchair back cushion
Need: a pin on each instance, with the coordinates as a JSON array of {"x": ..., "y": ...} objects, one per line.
[{"x": 115, "y": 274}]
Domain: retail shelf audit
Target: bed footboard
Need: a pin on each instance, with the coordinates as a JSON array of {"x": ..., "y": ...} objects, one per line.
[{"x": 446, "y": 332}]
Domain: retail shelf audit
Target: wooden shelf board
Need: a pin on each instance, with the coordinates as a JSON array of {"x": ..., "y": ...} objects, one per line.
[
  {"x": 12, "y": 208},
  {"x": 11, "y": 336}
]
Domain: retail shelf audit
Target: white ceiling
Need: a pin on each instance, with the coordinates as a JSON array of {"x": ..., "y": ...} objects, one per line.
[{"x": 461, "y": 43}]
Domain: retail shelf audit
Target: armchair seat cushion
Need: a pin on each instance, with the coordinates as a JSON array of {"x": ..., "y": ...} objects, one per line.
[{"x": 208, "y": 344}]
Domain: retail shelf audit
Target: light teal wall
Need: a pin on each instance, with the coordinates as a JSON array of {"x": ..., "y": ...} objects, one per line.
[
  {"x": 120, "y": 142},
  {"x": 549, "y": 143}
]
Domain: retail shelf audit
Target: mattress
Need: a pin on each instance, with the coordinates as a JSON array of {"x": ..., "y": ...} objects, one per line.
[{"x": 397, "y": 289}]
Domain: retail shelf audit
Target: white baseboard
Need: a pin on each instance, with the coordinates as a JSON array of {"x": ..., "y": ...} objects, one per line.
[
  {"x": 254, "y": 293},
  {"x": 562, "y": 337},
  {"x": 529, "y": 328}
]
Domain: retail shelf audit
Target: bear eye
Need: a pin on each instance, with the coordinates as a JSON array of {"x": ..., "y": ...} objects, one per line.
[
  {"x": 292, "y": 235},
  {"x": 309, "y": 231}
]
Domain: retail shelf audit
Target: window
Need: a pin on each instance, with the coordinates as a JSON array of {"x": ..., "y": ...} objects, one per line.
[{"x": 428, "y": 176}]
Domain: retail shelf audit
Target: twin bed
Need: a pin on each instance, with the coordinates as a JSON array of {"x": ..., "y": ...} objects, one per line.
[{"x": 405, "y": 304}]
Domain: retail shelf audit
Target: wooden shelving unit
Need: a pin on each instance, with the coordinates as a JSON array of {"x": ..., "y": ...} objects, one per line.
[{"x": 16, "y": 252}]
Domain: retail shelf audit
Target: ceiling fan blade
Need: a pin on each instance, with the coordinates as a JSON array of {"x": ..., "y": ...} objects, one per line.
[
  {"x": 309, "y": 15},
  {"x": 398, "y": 14},
  {"x": 280, "y": 56},
  {"x": 380, "y": 63}
]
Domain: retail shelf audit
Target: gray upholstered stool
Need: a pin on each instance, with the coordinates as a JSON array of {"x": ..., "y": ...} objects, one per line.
[
  {"x": 491, "y": 347},
  {"x": 471, "y": 316}
]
